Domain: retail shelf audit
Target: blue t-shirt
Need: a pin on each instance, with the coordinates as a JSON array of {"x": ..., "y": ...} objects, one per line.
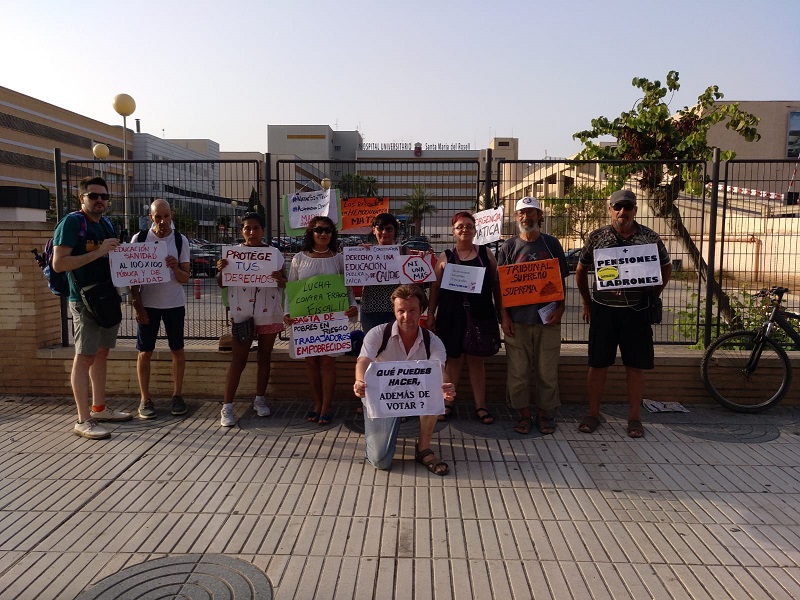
[{"x": 68, "y": 234}]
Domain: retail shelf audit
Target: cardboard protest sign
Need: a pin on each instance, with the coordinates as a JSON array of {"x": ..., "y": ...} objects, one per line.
[
  {"x": 250, "y": 266},
  {"x": 533, "y": 282},
  {"x": 139, "y": 264},
  {"x": 328, "y": 333},
  {"x": 403, "y": 389},
  {"x": 300, "y": 208},
  {"x": 317, "y": 295},
  {"x": 463, "y": 278},
  {"x": 377, "y": 265},
  {"x": 417, "y": 269},
  {"x": 488, "y": 224},
  {"x": 358, "y": 213},
  {"x": 627, "y": 266}
]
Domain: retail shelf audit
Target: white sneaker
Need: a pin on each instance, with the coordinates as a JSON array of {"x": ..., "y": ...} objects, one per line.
[
  {"x": 228, "y": 418},
  {"x": 91, "y": 429},
  {"x": 260, "y": 406},
  {"x": 109, "y": 414}
]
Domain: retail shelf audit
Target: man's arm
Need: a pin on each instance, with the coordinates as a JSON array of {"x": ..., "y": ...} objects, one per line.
[
  {"x": 582, "y": 281},
  {"x": 359, "y": 387},
  {"x": 666, "y": 273},
  {"x": 64, "y": 260}
]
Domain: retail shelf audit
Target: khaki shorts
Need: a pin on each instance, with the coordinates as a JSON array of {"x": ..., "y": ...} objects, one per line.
[{"x": 89, "y": 336}]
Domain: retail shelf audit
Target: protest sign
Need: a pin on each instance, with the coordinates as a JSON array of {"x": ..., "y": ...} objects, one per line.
[
  {"x": 358, "y": 213},
  {"x": 250, "y": 266},
  {"x": 627, "y": 266},
  {"x": 403, "y": 389},
  {"x": 463, "y": 278},
  {"x": 417, "y": 269},
  {"x": 488, "y": 224},
  {"x": 301, "y": 208},
  {"x": 532, "y": 282},
  {"x": 317, "y": 295},
  {"x": 313, "y": 335},
  {"x": 377, "y": 265},
  {"x": 139, "y": 264}
]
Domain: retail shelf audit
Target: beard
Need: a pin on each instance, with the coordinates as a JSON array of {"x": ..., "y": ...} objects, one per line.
[{"x": 533, "y": 228}]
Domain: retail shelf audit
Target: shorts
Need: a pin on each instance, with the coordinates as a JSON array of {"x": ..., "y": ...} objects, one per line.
[
  {"x": 173, "y": 325},
  {"x": 623, "y": 327},
  {"x": 89, "y": 336}
]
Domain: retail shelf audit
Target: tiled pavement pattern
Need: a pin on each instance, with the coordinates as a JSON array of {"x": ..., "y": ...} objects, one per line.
[{"x": 706, "y": 506}]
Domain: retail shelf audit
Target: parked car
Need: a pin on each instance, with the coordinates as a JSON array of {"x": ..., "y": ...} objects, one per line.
[
  {"x": 417, "y": 245},
  {"x": 203, "y": 260},
  {"x": 572, "y": 257}
]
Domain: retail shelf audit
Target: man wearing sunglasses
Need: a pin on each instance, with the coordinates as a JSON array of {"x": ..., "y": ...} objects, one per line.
[
  {"x": 84, "y": 253},
  {"x": 618, "y": 317}
]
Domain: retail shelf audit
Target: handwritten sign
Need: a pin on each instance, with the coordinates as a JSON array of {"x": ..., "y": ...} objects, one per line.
[
  {"x": 403, "y": 389},
  {"x": 317, "y": 295},
  {"x": 417, "y": 269},
  {"x": 488, "y": 225},
  {"x": 315, "y": 335},
  {"x": 250, "y": 266},
  {"x": 302, "y": 207},
  {"x": 463, "y": 278},
  {"x": 378, "y": 265},
  {"x": 358, "y": 213},
  {"x": 139, "y": 264},
  {"x": 627, "y": 266},
  {"x": 533, "y": 282}
]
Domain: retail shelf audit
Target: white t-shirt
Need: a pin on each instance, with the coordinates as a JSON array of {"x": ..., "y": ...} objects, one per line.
[
  {"x": 395, "y": 350},
  {"x": 169, "y": 294}
]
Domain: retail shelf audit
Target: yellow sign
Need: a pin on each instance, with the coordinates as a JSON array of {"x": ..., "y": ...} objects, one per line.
[{"x": 533, "y": 282}]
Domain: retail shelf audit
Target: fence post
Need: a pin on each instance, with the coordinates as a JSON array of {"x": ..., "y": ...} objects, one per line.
[
  {"x": 268, "y": 198},
  {"x": 712, "y": 247},
  {"x": 59, "y": 215},
  {"x": 487, "y": 182}
]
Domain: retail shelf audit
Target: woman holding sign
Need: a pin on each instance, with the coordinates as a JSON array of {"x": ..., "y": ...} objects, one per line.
[
  {"x": 255, "y": 312},
  {"x": 376, "y": 303},
  {"x": 462, "y": 299},
  {"x": 320, "y": 257}
]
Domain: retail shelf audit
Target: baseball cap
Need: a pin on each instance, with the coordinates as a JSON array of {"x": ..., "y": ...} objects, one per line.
[
  {"x": 527, "y": 202},
  {"x": 622, "y": 197}
]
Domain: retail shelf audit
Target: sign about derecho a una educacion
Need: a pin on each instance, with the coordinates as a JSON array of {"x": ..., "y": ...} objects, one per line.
[
  {"x": 403, "y": 389},
  {"x": 627, "y": 266},
  {"x": 139, "y": 264},
  {"x": 532, "y": 282},
  {"x": 377, "y": 265},
  {"x": 328, "y": 333},
  {"x": 250, "y": 266},
  {"x": 317, "y": 295},
  {"x": 463, "y": 278}
]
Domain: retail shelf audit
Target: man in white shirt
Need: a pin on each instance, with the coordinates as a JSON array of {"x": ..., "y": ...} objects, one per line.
[
  {"x": 408, "y": 341},
  {"x": 157, "y": 301}
]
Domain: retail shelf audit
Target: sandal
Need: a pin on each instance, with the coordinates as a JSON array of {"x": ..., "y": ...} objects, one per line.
[
  {"x": 324, "y": 419},
  {"x": 448, "y": 410},
  {"x": 635, "y": 429},
  {"x": 589, "y": 424},
  {"x": 431, "y": 462},
  {"x": 524, "y": 425},
  {"x": 546, "y": 424},
  {"x": 484, "y": 416},
  {"x": 312, "y": 417}
]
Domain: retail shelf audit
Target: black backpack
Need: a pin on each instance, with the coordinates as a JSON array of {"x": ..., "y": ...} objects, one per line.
[{"x": 141, "y": 238}]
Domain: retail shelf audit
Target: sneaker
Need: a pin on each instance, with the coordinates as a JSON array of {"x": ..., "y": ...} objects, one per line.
[
  {"x": 109, "y": 414},
  {"x": 91, "y": 429},
  {"x": 146, "y": 409},
  {"x": 178, "y": 406},
  {"x": 228, "y": 418},
  {"x": 260, "y": 406}
]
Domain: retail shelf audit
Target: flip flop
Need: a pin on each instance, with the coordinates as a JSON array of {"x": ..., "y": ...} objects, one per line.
[
  {"x": 635, "y": 429},
  {"x": 324, "y": 419},
  {"x": 312, "y": 417},
  {"x": 589, "y": 424},
  {"x": 484, "y": 416}
]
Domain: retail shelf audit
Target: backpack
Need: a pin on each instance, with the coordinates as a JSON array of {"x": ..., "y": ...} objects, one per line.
[
  {"x": 141, "y": 238},
  {"x": 387, "y": 333},
  {"x": 59, "y": 282}
]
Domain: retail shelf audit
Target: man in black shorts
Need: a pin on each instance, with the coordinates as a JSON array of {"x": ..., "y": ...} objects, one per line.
[{"x": 618, "y": 316}]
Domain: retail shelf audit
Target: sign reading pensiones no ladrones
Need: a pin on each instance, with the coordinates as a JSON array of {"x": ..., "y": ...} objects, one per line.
[
  {"x": 403, "y": 389},
  {"x": 627, "y": 266}
]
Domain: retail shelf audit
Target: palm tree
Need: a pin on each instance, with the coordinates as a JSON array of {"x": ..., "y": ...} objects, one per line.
[
  {"x": 353, "y": 185},
  {"x": 418, "y": 205}
]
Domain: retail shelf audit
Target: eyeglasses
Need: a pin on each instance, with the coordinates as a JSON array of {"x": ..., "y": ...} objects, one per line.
[
  {"x": 95, "y": 196},
  {"x": 321, "y": 230},
  {"x": 620, "y": 206},
  {"x": 387, "y": 228},
  {"x": 464, "y": 227}
]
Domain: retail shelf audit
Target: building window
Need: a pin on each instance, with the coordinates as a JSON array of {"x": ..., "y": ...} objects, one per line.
[{"x": 337, "y": 148}]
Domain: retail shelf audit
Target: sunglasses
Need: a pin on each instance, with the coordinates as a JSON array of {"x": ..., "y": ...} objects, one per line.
[
  {"x": 620, "y": 206},
  {"x": 95, "y": 196},
  {"x": 322, "y": 230}
]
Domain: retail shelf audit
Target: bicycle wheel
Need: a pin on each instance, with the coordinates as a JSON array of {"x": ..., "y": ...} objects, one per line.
[{"x": 723, "y": 370}]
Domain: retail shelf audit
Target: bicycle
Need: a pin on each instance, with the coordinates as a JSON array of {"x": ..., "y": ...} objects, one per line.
[{"x": 748, "y": 371}]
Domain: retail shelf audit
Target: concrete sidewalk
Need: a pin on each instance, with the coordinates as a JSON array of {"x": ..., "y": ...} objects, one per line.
[{"x": 707, "y": 505}]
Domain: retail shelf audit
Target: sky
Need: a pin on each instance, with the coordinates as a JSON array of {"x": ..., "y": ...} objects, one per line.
[{"x": 430, "y": 71}]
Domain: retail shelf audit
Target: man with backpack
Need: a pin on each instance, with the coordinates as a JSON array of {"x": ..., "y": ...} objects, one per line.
[
  {"x": 401, "y": 340},
  {"x": 157, "y": 301},
  {"x": 81, "y": 244}
]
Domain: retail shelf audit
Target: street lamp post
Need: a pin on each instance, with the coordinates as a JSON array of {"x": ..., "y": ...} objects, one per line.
[{"x": 125, "y": 105}]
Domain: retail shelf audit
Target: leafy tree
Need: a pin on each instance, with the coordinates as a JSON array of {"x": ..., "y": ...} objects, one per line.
[
  {"x": 353, "y": 185},
  {"x": 649, "y": 132},
  {"x": 254, "y": 205},
  {"x": 418, "y": 204},
  {"x": 579, "y": 212},
  {"x": 184, "y": 223}
]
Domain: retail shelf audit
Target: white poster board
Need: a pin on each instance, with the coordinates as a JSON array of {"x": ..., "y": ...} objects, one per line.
[
  {"x": 139, "y": 264},
  {"x": 250, "y": 266},
  {"x": 488, "y": 225},
  {"x": 327, "y": 333},
  {"x": 463, "y": 278},
  {"x": 304, "y": 206},
  {"x": 627, "y": 266},
  {"x": 403, "y": 389},
  {"x": 417, "y": 269},
  {"x": 377, "y": 265}
]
